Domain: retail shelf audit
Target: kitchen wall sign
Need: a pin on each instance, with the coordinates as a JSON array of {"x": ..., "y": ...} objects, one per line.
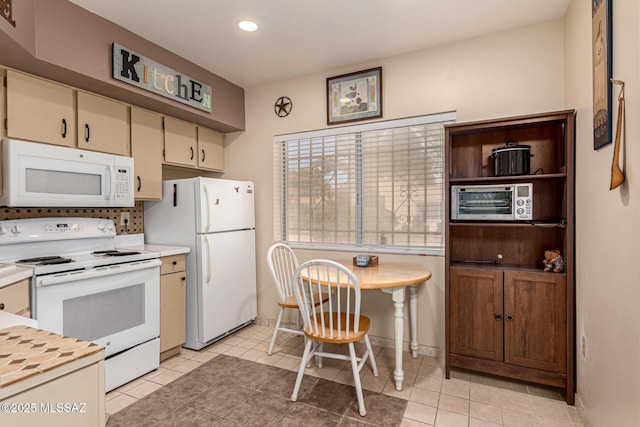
[
  {"x": 6, "y": 11},
  {"x": 137, "y": 70},
  {"x": 283, "y": 106},
  {"x": 602, "y": 71}
]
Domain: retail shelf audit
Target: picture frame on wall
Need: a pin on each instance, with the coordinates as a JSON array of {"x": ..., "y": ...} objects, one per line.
[
  {"x": 354, "y": 96},
  {"x": 602, "y": 72}
]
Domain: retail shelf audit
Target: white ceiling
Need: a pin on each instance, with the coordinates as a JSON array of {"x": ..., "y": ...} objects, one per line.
[{"x": 302, "y": 37}]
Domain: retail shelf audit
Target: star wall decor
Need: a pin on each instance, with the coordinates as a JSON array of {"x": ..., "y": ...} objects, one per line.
[{"x": 283, "y": 106}]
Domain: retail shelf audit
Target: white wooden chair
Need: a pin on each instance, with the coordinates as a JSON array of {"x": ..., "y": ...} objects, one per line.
[
  {"x": 283, "y": 264},
  {"x": 336, "y": 322}
]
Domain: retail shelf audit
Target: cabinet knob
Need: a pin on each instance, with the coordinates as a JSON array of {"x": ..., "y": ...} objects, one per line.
[
  {"x": 498, "y": 316},
  {"x": 175, "y": 263},
  {"x": 183, "y": 279},
  {"x": 509, "y": 317},
  {"x": 1, "y": 306}
]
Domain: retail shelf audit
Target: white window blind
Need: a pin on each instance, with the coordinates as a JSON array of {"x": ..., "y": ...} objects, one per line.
[{"x": 376, "y": 187}]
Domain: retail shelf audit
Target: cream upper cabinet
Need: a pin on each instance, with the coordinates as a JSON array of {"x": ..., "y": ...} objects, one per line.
[
  {"x": 103, "y": 124},
  {"x": 39, "y": 110},
  {"x": 146, "y": 150},
  {"x": 180, "y": 142},
  {"x": 210, "y": 149}
]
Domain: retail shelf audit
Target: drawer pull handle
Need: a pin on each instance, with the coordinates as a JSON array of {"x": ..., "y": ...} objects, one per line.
[
  {"x": 1, "y": 306},
  {"x": 192, "y": 153},
  {"x": 87, "y": 132},
  {"x": 64, "y": 128},
  {"x": 203, "y": 155},
  {"x": 139, "y": 183}
]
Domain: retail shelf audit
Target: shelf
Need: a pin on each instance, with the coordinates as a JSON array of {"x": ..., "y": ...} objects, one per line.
[
  {"x": 508, "y": 178},
  {"x": 494, "y": 266},
  {"x": 515, "y": 224}
]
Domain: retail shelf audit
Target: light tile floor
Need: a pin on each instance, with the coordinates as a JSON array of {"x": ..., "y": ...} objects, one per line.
[{"x": 467, "y": 399}]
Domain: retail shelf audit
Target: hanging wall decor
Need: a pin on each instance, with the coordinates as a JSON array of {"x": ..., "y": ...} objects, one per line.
[
  {"x": 354, "y": 96},
  {"x": 283, "y": 106},
  {"x": 7, "y": 11},
  {"x": 602, "y": 71}
]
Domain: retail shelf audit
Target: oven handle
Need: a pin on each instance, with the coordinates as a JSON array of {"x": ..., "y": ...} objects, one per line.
[{"x": 73, "y": 276}]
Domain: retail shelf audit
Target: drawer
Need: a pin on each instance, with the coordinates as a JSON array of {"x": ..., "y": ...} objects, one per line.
[
  {"x": 15, "y": 298},
  {"x": 172, "y": 264}
]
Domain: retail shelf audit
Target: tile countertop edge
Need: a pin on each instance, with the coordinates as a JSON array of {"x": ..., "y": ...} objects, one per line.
[{"x": 13, "y": 275}]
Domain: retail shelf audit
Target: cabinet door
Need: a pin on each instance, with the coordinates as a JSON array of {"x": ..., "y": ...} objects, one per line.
[
  {"x": 180, "y": 142},
  {"x": 210, "y": 149},
  {"x": 173, "y": 317},
  {"x": 146, "y": 150},
  {"x": 40, "y": 111},
  {"x": 15, "y": 298},
  {"x": 475, "y": 310},
  {"x": 102, "y": 124},
  {"x": 535, "y": 329}
]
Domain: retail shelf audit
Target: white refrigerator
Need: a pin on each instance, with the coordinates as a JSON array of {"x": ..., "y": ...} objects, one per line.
[{"x": 215, "y": 219}]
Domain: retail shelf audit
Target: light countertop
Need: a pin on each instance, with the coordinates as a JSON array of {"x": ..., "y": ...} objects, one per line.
[
  {"x": 135, "y": 242},
  {"x": 10, "y": 274},
  {"x": 9, "y": 319},
  {"x": 162, "y": 249}
]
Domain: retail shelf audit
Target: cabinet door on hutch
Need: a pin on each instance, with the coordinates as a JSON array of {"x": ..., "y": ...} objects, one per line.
[
  {"x": 39, "y": 110},
  {"x": 535, "y": 310},
  {"x": 146, "y": 150},
  {"x": 180, "y": 142},
  {"x": 103, "y": 124},
  {"x": 210, "y": 149},
  {"x": 475, "y": 317}
]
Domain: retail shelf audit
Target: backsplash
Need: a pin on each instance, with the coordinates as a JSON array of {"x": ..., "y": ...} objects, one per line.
[{"x": 136, "y": 220}]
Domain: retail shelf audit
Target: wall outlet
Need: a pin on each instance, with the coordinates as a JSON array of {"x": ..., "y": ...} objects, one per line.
[
  {"x": 584, "y": 346},
  {"x": 124, "y": 218}
]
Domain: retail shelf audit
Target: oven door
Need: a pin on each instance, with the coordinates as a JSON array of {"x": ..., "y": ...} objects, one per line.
[{"x": 116, "y": 306}]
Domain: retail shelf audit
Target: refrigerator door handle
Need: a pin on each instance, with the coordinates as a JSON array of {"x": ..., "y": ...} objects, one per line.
[
  {"x": 208, "y": 203},
  {"x": 210, "y": 256}
]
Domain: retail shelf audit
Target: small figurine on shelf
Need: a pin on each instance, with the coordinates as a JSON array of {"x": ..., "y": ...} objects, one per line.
[{"x": 553, "y": 261}]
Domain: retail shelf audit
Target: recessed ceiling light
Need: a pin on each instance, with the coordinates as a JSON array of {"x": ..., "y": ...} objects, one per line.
[{"x": 247, "y": 25}]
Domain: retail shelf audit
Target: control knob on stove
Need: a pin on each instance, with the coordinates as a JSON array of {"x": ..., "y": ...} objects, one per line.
[
  {"x": 100, "y": 226},
  {"x": 3, "y": 230},
  {"x": 16, "y": 229},
  {"x": 109, "y": 225}
]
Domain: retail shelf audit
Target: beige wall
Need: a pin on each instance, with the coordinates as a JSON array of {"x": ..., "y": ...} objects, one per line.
[
  {"x": 516, "y": 72},
  {"x": 608, "y": 227}
]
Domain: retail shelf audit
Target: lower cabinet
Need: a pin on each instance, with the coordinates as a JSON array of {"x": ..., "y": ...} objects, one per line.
[
  {"x": 509, "y": 322},
  {"x": 173, "y": 303},
  {"x": 14, "y": 298}
]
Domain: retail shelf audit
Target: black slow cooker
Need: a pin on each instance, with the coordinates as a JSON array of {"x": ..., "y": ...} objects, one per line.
[{"x": 511, "y": 159}]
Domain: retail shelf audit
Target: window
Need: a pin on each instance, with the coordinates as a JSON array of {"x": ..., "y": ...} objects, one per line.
[{"x": 377, "y": 186}]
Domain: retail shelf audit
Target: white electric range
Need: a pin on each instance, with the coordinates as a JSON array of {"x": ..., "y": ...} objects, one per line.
[{"x": 85, "y": 288}]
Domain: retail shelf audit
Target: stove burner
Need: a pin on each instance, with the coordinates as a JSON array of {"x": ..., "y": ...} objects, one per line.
[
  {"x": 45, "y": 260},
  {"x": 115, "y": 253}
]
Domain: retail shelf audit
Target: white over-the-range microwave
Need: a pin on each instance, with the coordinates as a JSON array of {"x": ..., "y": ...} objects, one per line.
[{"x": 43, "y": 175}]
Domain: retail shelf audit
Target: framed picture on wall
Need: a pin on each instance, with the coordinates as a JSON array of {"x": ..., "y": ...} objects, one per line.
[
  {"x": 354, "y": 96},
  {"x": 602, "y": 71}
]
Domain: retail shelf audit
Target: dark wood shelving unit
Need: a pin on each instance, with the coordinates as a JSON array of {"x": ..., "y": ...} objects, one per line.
[{"x": 504, "y": 314}]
